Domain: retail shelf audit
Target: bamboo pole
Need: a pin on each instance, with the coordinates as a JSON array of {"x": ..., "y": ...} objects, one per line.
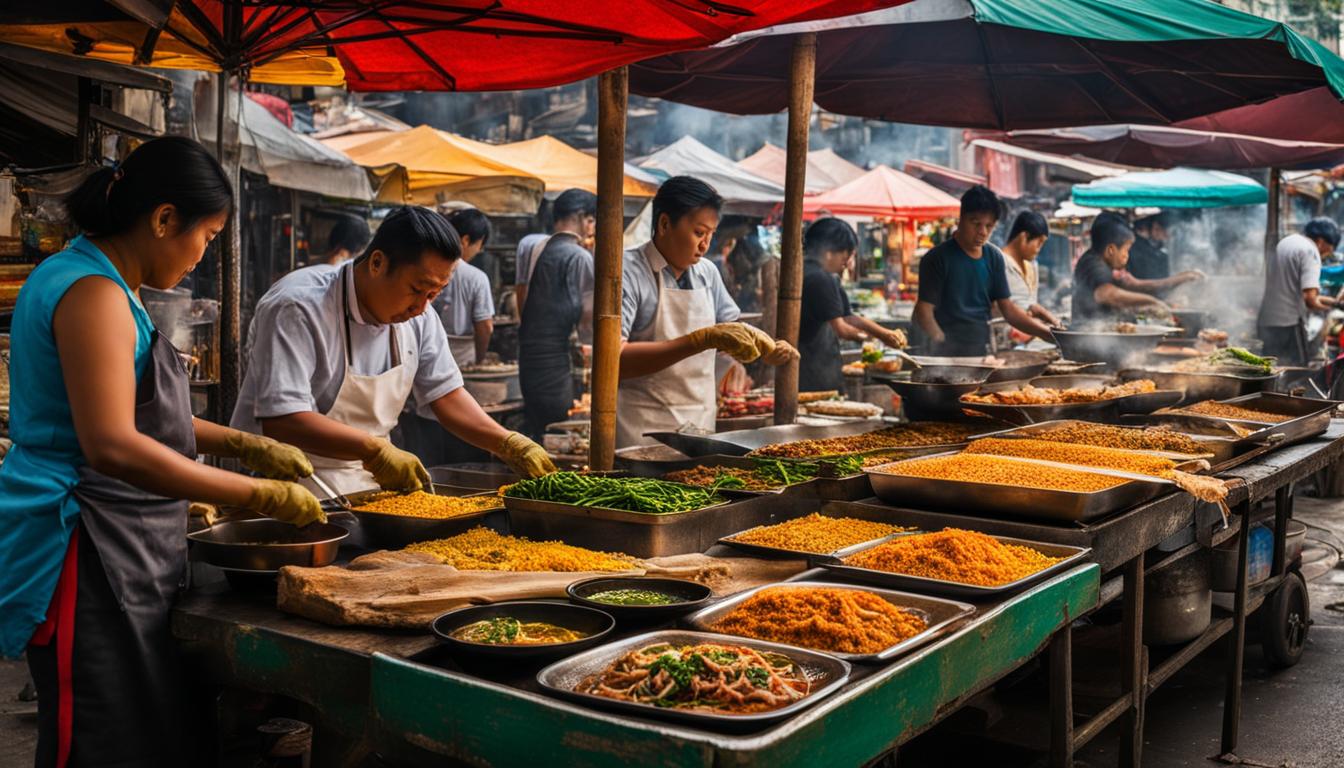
[
  {"x": 801, "y": 78},
  {"x": 612, "y": 98},
  {"x": 230, "y": 260},
  {"x": 1274, "y": 212}
]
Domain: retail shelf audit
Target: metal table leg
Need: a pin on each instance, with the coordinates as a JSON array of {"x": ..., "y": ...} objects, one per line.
[
  {"x": 1061, "y": 698},
  {"x": 1132, "y": 658},
  {"x": 1237, "y": 638},
  {"x": 1283, "y": 512}
]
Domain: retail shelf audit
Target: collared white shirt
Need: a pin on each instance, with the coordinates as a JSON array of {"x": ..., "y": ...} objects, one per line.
[
  {"x": 465, "y": 301},
  {"x": 639, "y": 292},
  {"x": 296, "y": 360}
]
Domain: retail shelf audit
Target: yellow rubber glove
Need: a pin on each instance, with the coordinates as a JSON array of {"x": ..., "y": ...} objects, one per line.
[
  {"x": 743, "y": 342},
  {"x": 524, "y": 456},
  {"x": 267, "y": 457},
  {"x": 395, "y": 469},
  {"x": 283, "y": 500}
]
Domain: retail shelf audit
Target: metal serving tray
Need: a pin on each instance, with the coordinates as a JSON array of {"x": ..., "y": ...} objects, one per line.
[
  {"x": 761, "y": 550},
  {"x": 637, "y": 533},
  {"x": 982, "y": 498},
  {"x": 1222, "y": 448},
  {"x": 1311, "y": 417},
  {"x": 1108, "y": 410},
  {"x": 1203, "y": 386},
  {"x": 826, "y": 672},
  {"x": 378, "y": 530},
  {"x": 743, "y": 441},
  {"x": 939, "y": 615},
  {"x": 1070, "y": 556}
]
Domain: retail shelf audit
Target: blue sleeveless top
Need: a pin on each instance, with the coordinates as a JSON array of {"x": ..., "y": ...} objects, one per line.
[{"x": 37, "y": 510}]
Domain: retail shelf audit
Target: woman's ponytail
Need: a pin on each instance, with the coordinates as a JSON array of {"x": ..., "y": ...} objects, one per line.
[{"x": 90, "y": 205}]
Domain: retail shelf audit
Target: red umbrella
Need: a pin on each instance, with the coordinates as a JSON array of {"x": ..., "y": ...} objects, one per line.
[{"x": 1314, "y": 115}]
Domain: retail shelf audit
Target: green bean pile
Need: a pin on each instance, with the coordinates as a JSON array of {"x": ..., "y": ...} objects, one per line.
[{"x": 632, "y": 494}]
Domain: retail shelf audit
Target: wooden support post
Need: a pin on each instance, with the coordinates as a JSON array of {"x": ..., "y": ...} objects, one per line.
[
  {"x": 1237, "y": 637},
  {"x": 1274, "y": 211},
  {"x": 612, "y": 97},
  {"x": 1283, "y": 512},
  {"x": 230, "y": 258},
  {"x": 802, "y": 74},
  {"x": 1132, "y": 662},
  {"x": 83, "y": 125},
  {"x": 1061, "y": 697}
]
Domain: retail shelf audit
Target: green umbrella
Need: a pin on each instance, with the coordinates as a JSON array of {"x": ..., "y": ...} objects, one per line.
[{"x": 1176, "y": 188}]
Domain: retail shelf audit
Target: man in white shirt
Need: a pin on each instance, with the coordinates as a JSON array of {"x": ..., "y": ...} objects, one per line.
[
  {"x": 1292, "y": 290},
  {"x": 465, "y": 306}
]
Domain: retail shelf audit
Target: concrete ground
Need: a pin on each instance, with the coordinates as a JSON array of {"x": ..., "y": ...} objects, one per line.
[{"x": 1290, "y": 718}]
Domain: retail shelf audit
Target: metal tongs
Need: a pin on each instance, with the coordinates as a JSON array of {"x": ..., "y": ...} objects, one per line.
[{"x": 338, "y": 499}]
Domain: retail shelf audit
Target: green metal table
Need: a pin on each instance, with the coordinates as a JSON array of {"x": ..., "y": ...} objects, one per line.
[{"x": 399, "y": 695}]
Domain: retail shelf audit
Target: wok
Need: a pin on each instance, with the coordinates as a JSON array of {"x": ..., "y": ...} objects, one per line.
[
  {"x": 1204, "y": 386},
  {"x": 1192, "y": 321},
  {"x": 266, "y": 545},
  {"x": 1118, "y": 349},
  {"x": 934, "y": 393},
  {"x": 1014, "y": 364}
]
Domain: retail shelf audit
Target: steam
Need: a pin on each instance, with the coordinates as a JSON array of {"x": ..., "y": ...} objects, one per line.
[{"x": 1228, "y": 245}]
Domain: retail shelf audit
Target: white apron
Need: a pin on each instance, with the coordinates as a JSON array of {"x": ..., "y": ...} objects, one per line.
[
  {"x": 681, "y": 393},
  {"x": 368, "y": 403}
]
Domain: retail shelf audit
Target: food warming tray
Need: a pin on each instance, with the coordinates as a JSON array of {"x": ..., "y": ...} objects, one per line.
[
  {"x": 939, "y": 614},
  {"x": 847, "y": 488},
  {"x": 1222, "y": 446},
  {"x": 1070, "y": 556},
  {"x": 761, "y": 550},
  {"x": 1204, "y": 386},
  {"x": 743, "y": 441},
  {"x": 1310, "y": 416},
  {"x": 991, "y": 498},
  {"x": 826, "y": 672},
  {"x": 380, "y": 530}
]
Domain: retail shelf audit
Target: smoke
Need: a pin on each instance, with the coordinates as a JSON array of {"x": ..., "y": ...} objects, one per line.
[{"x": 1228, "y": 245}]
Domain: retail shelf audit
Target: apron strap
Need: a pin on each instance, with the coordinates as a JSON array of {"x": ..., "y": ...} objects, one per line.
[
  {"x": 60, "y": 623},
  {"x": 394, "y": 346}
]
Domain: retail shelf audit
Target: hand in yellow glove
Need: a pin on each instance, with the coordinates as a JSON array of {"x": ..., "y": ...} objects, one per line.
[
  {"x": 781, "y": 354},
  {"x": 524, "y": 456},
  {"x": 395, "y": 469},
  {"x": 283, "y": 500},
  {"x": 743, "y": 342},
  {"x": 267, "y": 457}
]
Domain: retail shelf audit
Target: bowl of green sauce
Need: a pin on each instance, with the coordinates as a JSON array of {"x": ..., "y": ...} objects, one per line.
[{"x": 639, "y": 598}]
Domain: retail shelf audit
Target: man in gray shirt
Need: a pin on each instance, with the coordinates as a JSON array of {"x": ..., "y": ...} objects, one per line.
[
  {"x": 466, "y": 305},
  {"x": 1292, "y": 290}
]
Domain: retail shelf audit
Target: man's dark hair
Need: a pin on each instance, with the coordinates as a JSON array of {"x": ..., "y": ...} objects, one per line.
[
  {"x": 574, "y": 201},
  {"x": 409, "y": 231},
  {"x": 829, "y": 236},
  {"x": 1146, "y": 223},
  {"x": 469, "y": 222},
  {"x": 681, "y": 195},
  {"x": 1030, "y": 223},
  {"x": 980, "y": 199},
  {"x": 1323, "y": 229},
  {"x": 1110, "y": 230},
  {"x": 350, "y": 233}
]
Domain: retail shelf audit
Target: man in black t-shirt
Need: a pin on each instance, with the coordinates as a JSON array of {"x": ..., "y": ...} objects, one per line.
[
  {"x": 961, "y": 280},
  {"x": 826, "y": 316},
  {"x": 1097, "y": 295}
]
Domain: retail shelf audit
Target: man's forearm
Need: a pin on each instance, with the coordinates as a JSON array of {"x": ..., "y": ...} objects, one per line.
[
  {"x": 320, "y": 435},
  {"x": 209, "y": 436},
  {"x": 641, "y": 358},
  {"x": 520, "y": 297},
  {"x": 483, "y": 330},
  {"x": 1022, "y": 321},
  {"x": 924, "y": 317},
  {"x": 459, "y": 413}
]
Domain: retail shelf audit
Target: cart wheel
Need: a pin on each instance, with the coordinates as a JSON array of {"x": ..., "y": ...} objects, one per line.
[{"x": 1285, "y": 619}]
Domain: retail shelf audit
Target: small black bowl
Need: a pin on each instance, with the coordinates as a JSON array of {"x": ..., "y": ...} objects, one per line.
[
  {"x": 594, "y": 623},
  {"x": 692, "y": 595}
]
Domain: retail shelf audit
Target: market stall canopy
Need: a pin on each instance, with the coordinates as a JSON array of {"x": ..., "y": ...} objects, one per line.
[
  {"x": 1176, "y": 188},
  {"x": 884, "y": 193},
  {"x": 287, "y": 159},
  {"x": 743, "y": 192},
  {"x": 428, "y": 166},
  {"x": 835, "y": 166},
  {"x": 769, "y": 162},
  {"x": 1314, "y": 115},
  {"x": 401, "y": 45},
  {"x": 949, "y": 180},
  {"x": 1168, "y": 146},
  {"x": 1009, "y": 64},
  {"x": 561, "y": 166}
]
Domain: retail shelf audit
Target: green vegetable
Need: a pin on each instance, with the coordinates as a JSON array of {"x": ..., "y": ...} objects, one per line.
[
  {"x": 500, "y": 630},
  {"x": 759, "y": 676},
  {"x": 1245, "y": 356},
  {"x": 871, "y": 355},
  {"x": 633, "y": 597},
  {"x": 681, "y": 672},
  {"x": 632, "y": 494}
]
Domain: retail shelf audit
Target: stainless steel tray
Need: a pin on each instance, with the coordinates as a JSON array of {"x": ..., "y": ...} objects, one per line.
[
  {"x": 760, "y": 550},
  {"x": 635, "y": 533},
  {"x": 1203, "y": 386},
  {"x": 1310, "y": 417},
  {"x": 826, "y": 672},
  {"x": 1222, "y": 448},
  {"x": 1108, "y": 410},
  {"x": 1070, "y": 556},
  {"x": 990, "y": 498},
  {"x": 742, "y": 441},
  {"x": 939, "y": 615},
  {"x": 378, "y": 530}
]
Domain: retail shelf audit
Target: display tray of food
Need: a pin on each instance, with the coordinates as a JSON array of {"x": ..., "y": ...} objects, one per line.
[
  {"x": 640, "y": 598},
  {"x": 662, "y": 519},
  {"x": 917, "y": 437},
  {"x": 481, "y": 549},
  {"x": 1048, "y": 398},
  {"x": 859, "y": 624},
  {"x": 522, "y": 630},
  {"x": 842, "y": 409},
  {"x": 389, "y": 520},
  {"x": 989, "y": 485},
  {"x": 814, "y": 535},
  {"x": 838, "y": 478},
  {"x": 1214, "y": 444},
  {"x": 741, "y": 442},
  {"x": 1008, "y": 365},
  {"x": 1217, "y": 375},
  {"x": 1119, "y": 344},
  {"x": 1265, "y": 416},
  {"x": 704, "y": 679},
  {"x": 956, "y": 563}
]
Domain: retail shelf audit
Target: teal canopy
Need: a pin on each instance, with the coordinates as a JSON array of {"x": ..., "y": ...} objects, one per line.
[{"x": 1176, "y": 188}]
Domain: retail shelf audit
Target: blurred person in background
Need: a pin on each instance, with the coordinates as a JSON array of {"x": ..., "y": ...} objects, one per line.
[
  {"x": 1293, "y": 291},
  {"x": 465, "y": 305},
  {"x": 574, "y": 213},
  {"x": 1025, "y": 240},
  {"x": 348, "y": 237}
]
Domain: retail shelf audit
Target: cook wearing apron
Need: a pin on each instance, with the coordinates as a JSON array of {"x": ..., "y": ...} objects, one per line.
[
  {"x": 336, "y": 357},
  {"x": 559, "y": 303}
]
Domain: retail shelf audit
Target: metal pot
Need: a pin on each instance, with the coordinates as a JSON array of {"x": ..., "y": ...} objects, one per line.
[
  {"x": 1178, "y": 601},
  {"x": 1204, "y": 386},
  {"x": 266, "y": 545},
  {"x": 1118, "y": 349}
]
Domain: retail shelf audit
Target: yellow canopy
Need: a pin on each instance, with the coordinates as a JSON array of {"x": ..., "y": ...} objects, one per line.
[
  {"x": 119, "y": 41},
  {"x": 426, "y": 166},
  {"x": 558, "y": 164}
]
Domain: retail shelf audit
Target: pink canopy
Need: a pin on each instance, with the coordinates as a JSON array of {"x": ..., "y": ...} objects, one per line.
[
  {"x": 825, "y": 169},
  {"x": 884, "y": 193}
]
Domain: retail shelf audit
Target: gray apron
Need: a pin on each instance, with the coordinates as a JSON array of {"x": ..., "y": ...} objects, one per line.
[{"x": 124, "y": 677}]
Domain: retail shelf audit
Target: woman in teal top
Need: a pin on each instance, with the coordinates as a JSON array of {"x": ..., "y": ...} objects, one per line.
[{"x": 92, "y": 517}]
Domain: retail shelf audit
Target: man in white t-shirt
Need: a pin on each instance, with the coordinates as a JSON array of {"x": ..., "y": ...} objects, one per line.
[{"x": 1292, "y": 290}]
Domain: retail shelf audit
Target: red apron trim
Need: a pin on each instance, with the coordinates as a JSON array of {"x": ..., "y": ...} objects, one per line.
[{"x": 61, "y": 616}]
